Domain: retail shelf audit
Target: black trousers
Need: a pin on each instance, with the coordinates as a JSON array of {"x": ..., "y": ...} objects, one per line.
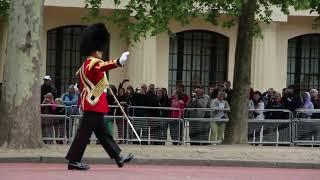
[{"x": 92, "y": 121}]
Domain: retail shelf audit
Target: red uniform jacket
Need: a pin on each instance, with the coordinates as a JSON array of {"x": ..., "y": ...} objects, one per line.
[{"x": 94, "y": 71}]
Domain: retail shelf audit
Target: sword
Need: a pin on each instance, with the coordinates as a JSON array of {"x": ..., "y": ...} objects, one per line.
[{"x": 123, "y": 112}]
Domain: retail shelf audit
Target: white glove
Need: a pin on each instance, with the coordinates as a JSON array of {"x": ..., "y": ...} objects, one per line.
[{"x": 124, "y": 58}]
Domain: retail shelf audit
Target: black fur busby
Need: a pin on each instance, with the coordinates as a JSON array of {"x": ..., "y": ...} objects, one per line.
[{"x": 93, "y": 38}]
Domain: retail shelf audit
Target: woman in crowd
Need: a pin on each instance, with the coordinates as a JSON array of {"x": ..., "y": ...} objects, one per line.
[
  {"x": 220, "y": 105},
  {"x": 121, "y": 122},
  {"x": 48, "y": 107},
  {"x": 159, "y": 129},
  {"x": 176, "y": 124}
]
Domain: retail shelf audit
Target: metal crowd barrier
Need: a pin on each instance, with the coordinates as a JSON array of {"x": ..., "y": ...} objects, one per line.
[
  {"x": 156, "y": 125},
  {"x": 54, "y": 120},
  {"x": 115, "y": 124},
  {"x": 160, "y": 125},
  {"x": 270, "y": 126},
  {"x": 202, "y": 127},
  {"x": 306, "y": 127},
  {"x": 208, "y": 126}
]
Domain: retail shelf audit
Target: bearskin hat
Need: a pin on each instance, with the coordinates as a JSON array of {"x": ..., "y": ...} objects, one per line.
[{"x": 93, "y": 38}]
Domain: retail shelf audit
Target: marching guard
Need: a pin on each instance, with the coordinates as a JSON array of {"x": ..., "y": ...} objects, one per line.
[{"x": 94, "y": 104}]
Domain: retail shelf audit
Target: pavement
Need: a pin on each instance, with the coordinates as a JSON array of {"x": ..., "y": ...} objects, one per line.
[{"x": 213, "y": 155}]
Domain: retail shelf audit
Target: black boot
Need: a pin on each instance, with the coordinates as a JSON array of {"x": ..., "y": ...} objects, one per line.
[
  {"x": 77, "y": 166},
  {"x": 121, "y": 160}
]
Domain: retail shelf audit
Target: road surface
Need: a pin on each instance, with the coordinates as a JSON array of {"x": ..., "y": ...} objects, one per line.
[{"x": 147, "y": 172}]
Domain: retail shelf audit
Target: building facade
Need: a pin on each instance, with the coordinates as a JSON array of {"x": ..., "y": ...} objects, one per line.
[{"x": 199, "y": 53}]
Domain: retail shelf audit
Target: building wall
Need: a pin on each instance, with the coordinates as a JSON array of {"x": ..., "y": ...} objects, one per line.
[
  {"x": 269, "y": 54},
  {"x": 60, "y": 16},
  {"x": 106, "y": 4},
  {"x": 270, "y": 62},
  {"x": 149, "y": 62},
  {"x": 149, "y": 59}
]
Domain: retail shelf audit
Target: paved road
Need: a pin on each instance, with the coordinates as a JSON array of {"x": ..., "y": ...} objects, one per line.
[{"x": 145, "y": 172}]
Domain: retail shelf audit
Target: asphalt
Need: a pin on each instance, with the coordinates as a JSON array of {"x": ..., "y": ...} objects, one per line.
[{"x": 185, "y": 155}]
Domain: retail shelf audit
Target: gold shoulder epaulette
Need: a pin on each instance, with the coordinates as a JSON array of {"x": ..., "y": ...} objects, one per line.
[{"x": 93, "y": 62}]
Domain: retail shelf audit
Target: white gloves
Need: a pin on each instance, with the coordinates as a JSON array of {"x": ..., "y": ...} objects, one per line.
[{"x": 124, "y": 58}]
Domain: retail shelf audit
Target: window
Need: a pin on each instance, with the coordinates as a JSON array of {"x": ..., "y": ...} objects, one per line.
[
  {"x": 304, "y": 61},
  {"x": 63, "y": 56},
  {"x": 197, "y": 58}
]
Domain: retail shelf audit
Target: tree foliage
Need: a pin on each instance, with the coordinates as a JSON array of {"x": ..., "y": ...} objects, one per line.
[
  {"x": 4, "y": 7},
  {"x": 150, "y": 17},
  {"x": 141, "y": 18}
]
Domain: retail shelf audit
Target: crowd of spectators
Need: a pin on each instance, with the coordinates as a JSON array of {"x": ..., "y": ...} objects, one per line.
[{"x": 219, "y": 97}]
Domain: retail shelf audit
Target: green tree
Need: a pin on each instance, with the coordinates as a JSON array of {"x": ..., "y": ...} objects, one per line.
[
  {"x": 20, "y": 125},
  {"x": 4, "y": 6},
  {"x": 142, "y": 18}
]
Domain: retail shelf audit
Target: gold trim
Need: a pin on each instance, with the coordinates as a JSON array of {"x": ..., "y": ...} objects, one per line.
[{"x": 94, "y": 61}]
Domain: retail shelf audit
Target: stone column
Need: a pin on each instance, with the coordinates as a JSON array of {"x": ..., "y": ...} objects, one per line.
[{"x": 266, "y": 72}]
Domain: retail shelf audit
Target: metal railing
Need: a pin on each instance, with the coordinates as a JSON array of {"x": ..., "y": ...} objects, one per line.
[
  {"x": 270, "y": 126},
  {"x": 160, "y": 125},
  {"x": 306, "y": 126}
]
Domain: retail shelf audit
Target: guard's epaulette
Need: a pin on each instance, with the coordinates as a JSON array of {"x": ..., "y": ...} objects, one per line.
[{"x": 93, "y": 62}]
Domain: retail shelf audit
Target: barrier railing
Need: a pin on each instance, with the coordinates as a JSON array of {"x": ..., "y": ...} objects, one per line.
[
  {"x": 270, "y": 126},
  {"x": 201, "y": 125},
  {"x": 160, "y": 125},
  {"x": 156, "y": 125},
  {"x": 306, "y": 127},
  {"x": 54, "y": 122}
]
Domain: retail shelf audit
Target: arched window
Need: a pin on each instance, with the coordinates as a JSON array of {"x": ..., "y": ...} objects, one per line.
[
  {"x": 63, "y": 56},
  {"x": 197, "y": 58},
  {"x": 304, "y": 61}
]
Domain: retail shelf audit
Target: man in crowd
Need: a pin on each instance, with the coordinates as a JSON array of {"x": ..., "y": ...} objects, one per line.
[
  {"x": 199, "y": 130},
  {"x": 47, "y": 87}
]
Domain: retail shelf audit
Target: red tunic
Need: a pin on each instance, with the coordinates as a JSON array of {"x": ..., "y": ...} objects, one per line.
[{"x": 95, "y": 72}]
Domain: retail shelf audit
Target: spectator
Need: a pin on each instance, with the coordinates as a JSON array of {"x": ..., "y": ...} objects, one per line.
[
  {"x": 266, "y": 97},
  {"x": 144, "y": 88},
  {"x": 176, "y": 125},
  {"x": 276, "y": 103},
  {"x": 160, "y": 128},
  {"x": 258, "y": 104},
  {"x": 218, "y": 128},
  {"x": 122, "y": 83},
  {"x": 291, "y": 99},
  {"x": 314, "y": 98},
  {"x": 70, "y": 98},
  {"x": 139, "y": 99},
  {"x": 48, "y": 104},
  {"x": 60, "y": 123},
  {"x": 48, "y": 107},
  {"x": 307, "y": 130},
  {"x": 165, "y": 94},
  {"x": 228, "y": 90},
  {"x": 47, "y": 87},
  {"x": 180, "y": 90},
  {"x": 199, "y": 131},
  {"x": 251, "y": 104},
  {"x": 121, "y": 122},
  {"x": 284, "y": 92},
  {"x": 129, "y": 93},
  {"x": 213, "y": 92},
  {"x": 151, "y": 97},
  {"x": 307, "y": 104}
]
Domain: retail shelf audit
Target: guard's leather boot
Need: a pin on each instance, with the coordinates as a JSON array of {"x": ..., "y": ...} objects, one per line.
[
  {"x": 121, "y": 160},
  {"x": 77, "y": 166}
]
